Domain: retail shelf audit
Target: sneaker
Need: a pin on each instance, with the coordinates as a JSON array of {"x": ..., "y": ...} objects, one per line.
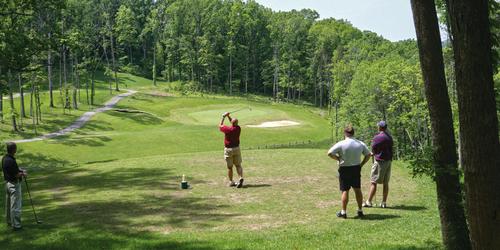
[
  {"x": 361, "y": 214},
  {"x": 383, "y": 205},
  {"x": 240, "y": 183},
  {"x": 341, "y": 215},
  {"x": 367, "y": 204},
  {"x": 232, "y": 184}
]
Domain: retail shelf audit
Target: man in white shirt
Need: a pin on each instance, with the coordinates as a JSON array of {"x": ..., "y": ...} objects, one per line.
[{"x": 348, "y": 153}]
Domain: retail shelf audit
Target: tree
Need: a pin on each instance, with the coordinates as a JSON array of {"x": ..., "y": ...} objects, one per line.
[
  {"x": 453, "y": 224},
  {"x": 480, "y": 147},
  {"x": 126, "y": 29}
]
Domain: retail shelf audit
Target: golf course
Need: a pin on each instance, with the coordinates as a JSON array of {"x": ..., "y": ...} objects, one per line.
[
  {"x": 115, "y": 182},
  {"x": 250, "y": 124}
]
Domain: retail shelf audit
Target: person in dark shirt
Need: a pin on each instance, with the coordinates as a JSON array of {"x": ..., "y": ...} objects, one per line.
[
  {"x": 381, "y": 170},
  {"x": 12, "y": 175},
  {"x": 232, "y": 152}
]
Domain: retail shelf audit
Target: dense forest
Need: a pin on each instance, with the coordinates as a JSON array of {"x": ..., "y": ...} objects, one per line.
[{"x": 228, "y": 47}]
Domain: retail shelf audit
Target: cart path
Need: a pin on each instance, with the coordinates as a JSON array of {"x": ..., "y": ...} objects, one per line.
[{"x": 80, "y": 122}]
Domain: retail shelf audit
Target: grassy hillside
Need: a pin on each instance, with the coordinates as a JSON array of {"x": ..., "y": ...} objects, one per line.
[{"x": 114, "y": 184}]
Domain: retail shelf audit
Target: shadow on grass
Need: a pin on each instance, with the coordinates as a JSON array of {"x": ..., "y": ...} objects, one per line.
[
  {"x": 141, "y": 118},
  {"x": 256, "y": 185},
  {"x": 110, "y": 207},
  {"x": 408, "y": 208},
  {"x": 38, "y": 161},
  {"x": 427, "y": 245},
  {"x": 379, "y": 216}
]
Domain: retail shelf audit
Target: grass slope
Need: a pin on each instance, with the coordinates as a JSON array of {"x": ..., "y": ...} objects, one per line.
[{"x": 115, "y": 184}]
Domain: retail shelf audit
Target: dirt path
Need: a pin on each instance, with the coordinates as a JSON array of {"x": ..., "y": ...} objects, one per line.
[{"x": 82, "y": 120}]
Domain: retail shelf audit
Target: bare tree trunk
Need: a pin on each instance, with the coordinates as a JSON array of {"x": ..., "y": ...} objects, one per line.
[
  {"x": 11, "y": 101},
  {"x": 21, "y": 97},
  {"x": 31, "y": 98},
  {"x": 66, "y": 94},
  {"x": 1, "y": 104},
  {"x": 38, "y": 105},
  {"x": 107, "y": 62},
  {"x": 77, "y": 74},
  {"x": 92, "y": 88},
  {"x": 453, "y": 223},
  {"x": 480, "y": 147},
  {"x": 49, "y": 72},
  {"x": 154, "y": 63},
  {"x": 230, "y": 74},
  {"x": 111, "y": 39}
]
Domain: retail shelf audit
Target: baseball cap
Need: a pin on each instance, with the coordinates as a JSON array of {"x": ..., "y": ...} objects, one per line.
[{"x": 382, "y": 124}]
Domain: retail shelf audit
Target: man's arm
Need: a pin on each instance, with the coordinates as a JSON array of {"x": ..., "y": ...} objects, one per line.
[
  {"x": 367, "y": 157},
  {"x": 223, "y": 118},
  {"x": 335, "y": 157},
  {"x": 333, "y": 152}
]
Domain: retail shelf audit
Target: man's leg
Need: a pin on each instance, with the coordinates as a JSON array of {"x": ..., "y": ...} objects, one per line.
[
  {"x": 7, "y": 205},
  {"x": 359, "y": 197},
  {"x": 237, "y": 162},
  {"x": 239, "y": 170},
  {"x": 228, "y": 156},
  {"x": 230, "y": 173},
  {"x": 15, "y": 205},
  {"x": 373, "y": 191},
  {"x": 345, "y": 200},
  {"x": 385, "y": 192}
]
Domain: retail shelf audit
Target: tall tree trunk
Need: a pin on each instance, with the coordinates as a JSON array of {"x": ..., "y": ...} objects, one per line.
[
  {"x": 77, "y": 75},
  {"x": 75, "y": 82},
  {"x": 87, "y": 97},
  {"x": 32, "y": 111},
  {"x": 11, "y": 101},
  {"x": 92, "y": 88},
  {"x": 21, "y": 97},
  {"x": 32, "y": 93},
  {"x": 111, "y": 40},
  {"x": 60, "y": 72},
  {"x": 1, "y": 104},
  {"x": 38, "y": 105},
  {"x": 66, "y": 97},
  {"x": 230, "y": 74},
  {"x": 49, "y": 72},
  {"x": 154, "y": 63},
  {"x": 480, "y": 145},
  {"x": 453, "y": 223},
  {"x": 107, "y": 62}
]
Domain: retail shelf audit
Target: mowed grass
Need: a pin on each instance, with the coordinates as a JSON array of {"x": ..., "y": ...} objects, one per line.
[{"x": 115, "y": 184}]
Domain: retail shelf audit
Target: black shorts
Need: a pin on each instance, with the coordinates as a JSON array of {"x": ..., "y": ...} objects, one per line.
[{"x": 349, "y": 177}]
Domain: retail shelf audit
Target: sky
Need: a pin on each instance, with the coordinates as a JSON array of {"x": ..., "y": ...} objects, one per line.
[{"x": 390, "y": 18}]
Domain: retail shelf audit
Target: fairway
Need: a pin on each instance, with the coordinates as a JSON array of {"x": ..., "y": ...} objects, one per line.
[{"x": 115, "y": 184}]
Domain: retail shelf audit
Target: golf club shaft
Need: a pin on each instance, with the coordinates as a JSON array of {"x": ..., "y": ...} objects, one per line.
[
  {"x": 31, "y": 201},
  {"x": 232, "y": 112}
]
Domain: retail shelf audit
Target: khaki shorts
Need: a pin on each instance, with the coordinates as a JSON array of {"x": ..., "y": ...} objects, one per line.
[
  {"x": 381, "y": 172},
  {"x": 232, "y": 156}
]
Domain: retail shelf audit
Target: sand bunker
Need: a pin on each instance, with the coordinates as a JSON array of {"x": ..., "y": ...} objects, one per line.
[{"x": 275, "y": 124}]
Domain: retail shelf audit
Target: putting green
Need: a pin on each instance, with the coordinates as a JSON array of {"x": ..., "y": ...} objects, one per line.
[{"x": 211, "y": 115}]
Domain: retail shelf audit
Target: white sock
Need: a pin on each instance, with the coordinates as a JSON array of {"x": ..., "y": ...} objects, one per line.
[{"x": 342, "y": 212}]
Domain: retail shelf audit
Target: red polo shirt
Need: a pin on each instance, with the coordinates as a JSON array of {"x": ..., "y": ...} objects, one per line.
[{"x": 231, "y": 136}]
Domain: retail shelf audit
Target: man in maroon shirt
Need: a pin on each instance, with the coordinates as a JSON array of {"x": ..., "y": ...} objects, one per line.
[
  {"x": 232, "y": 152},
  {"x": 381, "y": 170}
]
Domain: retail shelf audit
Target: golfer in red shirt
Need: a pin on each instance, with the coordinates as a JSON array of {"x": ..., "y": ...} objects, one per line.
[{"x": 232, "y": 153}]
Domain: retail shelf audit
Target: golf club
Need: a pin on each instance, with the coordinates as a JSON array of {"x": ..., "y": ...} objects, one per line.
[
  {"x": 249, "y": 108},
  {"x": 31, "y": 201}
]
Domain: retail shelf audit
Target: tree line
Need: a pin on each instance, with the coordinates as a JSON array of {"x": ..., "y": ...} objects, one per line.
[
  {"x": 222, "y": 46},
  {"x": 241, "y": 48}
]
